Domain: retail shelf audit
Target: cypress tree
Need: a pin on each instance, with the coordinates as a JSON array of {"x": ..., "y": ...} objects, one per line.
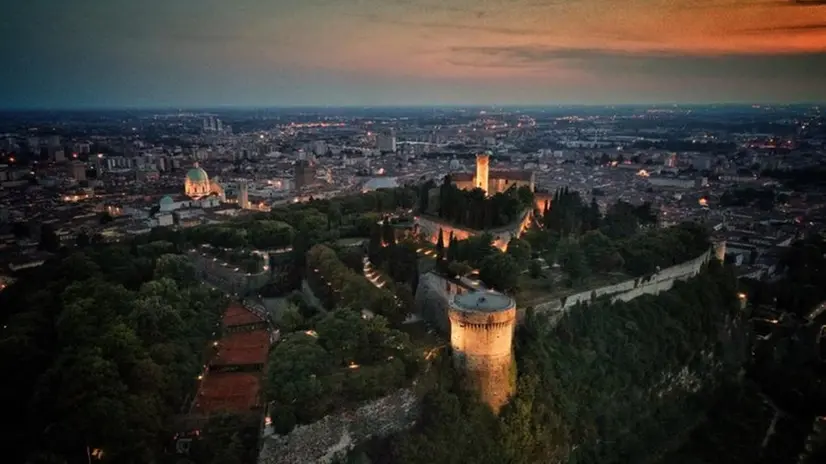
[{"x": 440, "y": 245}]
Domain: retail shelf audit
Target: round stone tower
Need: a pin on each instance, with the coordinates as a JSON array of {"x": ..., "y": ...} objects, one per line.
[{"x": 481, "y": 335}]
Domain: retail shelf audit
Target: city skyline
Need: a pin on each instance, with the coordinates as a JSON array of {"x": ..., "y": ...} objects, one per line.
[{"x": 410, "y": 52}]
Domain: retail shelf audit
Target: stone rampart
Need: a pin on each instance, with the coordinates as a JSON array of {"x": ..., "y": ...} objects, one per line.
[
  {"x": 430, "y": 226},
  {"x": 226, "y": 277},
  {"x": 432, "y": 295},
  {"x": 330, "y": 438},
  {"x": 651, "y": 284}
]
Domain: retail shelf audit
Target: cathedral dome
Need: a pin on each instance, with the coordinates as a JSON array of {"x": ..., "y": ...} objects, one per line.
[
  {"x": 197, "y": 182},
  {"x": 197, "y": 174}
]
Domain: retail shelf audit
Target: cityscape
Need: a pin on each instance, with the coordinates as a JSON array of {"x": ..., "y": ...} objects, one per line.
[{"x": 487, "y": 249}]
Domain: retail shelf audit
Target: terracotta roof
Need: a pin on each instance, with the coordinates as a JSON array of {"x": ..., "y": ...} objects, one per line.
[
  {"x": 237, "y": 315},
  {"x": 462, "y": 176},
  {"x": 228, "y": 391},
  {"x": 242, "y": 348},
  {"x": 512, "y": 175}
]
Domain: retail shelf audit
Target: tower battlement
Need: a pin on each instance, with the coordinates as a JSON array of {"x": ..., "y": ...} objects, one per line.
[{"x": 481, "y": 335}]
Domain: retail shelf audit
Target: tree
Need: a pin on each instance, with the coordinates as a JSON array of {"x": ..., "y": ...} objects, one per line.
[
  {"x": 452, "y": 248},
  {"x": 535, "y": 269},
  {"x": 290, "y": 319},
  {"x": 459, "y": 269},
  {"x": 520, "y": 250},
  {"x": 500, "y": 271},
  {"x": 600, "y": 252},
  {"x": 176, "y": 267},
  {"x": 572, "y": 260},
  {"x": 48, "y": 239},
  {"x": 82, "y": 240},
  {"x": 440, "y": 245}
]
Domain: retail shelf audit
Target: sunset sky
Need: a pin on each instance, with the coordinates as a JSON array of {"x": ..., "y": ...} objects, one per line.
[{"x": 161, "y": 53}]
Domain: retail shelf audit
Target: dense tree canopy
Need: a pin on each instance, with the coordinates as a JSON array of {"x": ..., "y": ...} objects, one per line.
[
  {"x": 340, "y": 286},
  {"x": 347, "y": 359},
  {"x": 470, "y": 208},
  {"x": 104, "y": 346}
]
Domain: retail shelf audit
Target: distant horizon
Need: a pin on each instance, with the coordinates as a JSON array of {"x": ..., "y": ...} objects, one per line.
[{"x": 231, "y": 107}]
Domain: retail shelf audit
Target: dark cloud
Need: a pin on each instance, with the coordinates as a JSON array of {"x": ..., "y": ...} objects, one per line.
[
  {"x": 655, "y": 64},
  {"x": 446, "y": 25},
  {"x": 793, "y": 28}
]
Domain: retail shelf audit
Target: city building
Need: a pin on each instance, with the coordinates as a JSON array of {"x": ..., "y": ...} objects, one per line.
[
  {"x": 386, "y": 141},
  {"x": 492, "y": 182},
  {"x": 304, "y": 174},
  {"x": 197, "y": 183},
  {"x": 78, "y": 171}
]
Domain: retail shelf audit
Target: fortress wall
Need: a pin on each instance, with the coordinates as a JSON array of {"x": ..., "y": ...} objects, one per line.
[
  {"x": 430, "y": 226},
  {"x": 227, "y": 278},
  {"x": 628, "y": 290},
  {"x": 330, "y": 438},
  {"x": 432, "y": 298}
]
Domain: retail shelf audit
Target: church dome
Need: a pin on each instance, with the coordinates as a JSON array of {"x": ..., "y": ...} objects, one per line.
[
  {"x": 197, "y": 174},
  {"x": 167, "y": 200},
  {"x": 197, "y": 182}
]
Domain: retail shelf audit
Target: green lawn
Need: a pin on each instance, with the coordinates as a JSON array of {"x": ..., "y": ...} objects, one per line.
[{"x": 534, "y": 291}]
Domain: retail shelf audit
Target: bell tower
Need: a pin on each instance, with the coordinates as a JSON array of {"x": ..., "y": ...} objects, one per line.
[{"x": 482, "y": 169}]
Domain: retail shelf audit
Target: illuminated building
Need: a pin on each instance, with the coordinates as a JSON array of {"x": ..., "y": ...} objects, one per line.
[
  {"x": 198, "y": 185},
  {"x": 492, "y": 182},
  {"x": 481, "y": 335}
]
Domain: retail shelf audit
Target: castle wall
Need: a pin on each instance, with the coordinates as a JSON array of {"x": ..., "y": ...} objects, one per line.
[
  {"x": 432, "y": 297},
  {"x": 628, "y": 290},
  {"x": 330, "y": 438},
  {"x": 226, "y": 278},
  {"x": 429, "y": 226}
]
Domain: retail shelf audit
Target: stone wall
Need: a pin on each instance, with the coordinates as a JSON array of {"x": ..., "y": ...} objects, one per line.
[
  {"x": 225, "y": 277},
  {"x": 332, "y": 437},
  {"x": 433, "y": 293},
  {"x": 628, "y": 290},
  {"x": 430, "y": 226}
]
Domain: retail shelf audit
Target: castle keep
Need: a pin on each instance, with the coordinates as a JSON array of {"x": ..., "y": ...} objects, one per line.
[{"x": 481, "y": 335}]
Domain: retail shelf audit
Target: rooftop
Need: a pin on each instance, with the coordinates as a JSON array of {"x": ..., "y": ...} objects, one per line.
[{"x": 483, "y": 301}]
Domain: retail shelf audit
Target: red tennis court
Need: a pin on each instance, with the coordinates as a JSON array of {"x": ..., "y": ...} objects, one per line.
[
  {"x": 231, "y": 392},
  {"x": 242, "y": 348},
  {"x": 237, "y": 315}
]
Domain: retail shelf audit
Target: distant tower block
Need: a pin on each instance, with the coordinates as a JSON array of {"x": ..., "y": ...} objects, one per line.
[
  {"x": 482, "y": 169},
  {"x": 243, "y": 195},
  {"x": 720, "y": 251},
  {"x": 481, "y": 335}
]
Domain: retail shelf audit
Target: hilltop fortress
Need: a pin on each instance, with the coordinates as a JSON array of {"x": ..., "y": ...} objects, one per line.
[
  {"x": 481, "y": 338},
  {"x": 491, "y": 182},
  {"x": 481, "y": 323}
]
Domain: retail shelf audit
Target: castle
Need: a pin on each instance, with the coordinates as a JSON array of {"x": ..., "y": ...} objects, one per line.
[
  {"x": 492, "y": 182},
  {"x": 481, "y": 335}
]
